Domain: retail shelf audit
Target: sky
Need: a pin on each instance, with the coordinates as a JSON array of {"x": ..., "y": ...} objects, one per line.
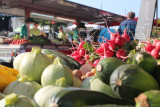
[{"x": 121, "y": 7}]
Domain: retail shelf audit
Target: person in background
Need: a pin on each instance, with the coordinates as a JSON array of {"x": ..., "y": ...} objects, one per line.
[
  {"x": 62, "y": 36},
  {"x": 36, "y": 32},
  {"x": 104, "y": 34},
  {"x": 75, "y": 36},
  {"x": 129, "y": 24},
  {"x": 24, "y": 30}
]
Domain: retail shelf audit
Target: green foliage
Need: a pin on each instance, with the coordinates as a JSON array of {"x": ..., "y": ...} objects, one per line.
[{"x": 88, "y": 46}]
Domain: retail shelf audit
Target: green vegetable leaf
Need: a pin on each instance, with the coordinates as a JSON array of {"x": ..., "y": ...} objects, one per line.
[
  {"x": 88, "y": 46},
  {"x": 130, "y": 56}
]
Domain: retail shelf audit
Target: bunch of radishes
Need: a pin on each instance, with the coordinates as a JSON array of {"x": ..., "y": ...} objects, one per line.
[
  {"x": 153, "y": 48},
  {"x": 113, "y": 48}
]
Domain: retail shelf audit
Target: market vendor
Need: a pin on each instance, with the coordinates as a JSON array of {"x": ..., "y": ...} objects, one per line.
[
  {"x": 62, "y": 36},
  {"x": 36, "y": 32}
]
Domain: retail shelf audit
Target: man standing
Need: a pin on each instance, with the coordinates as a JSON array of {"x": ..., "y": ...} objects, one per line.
[{"x": 129, "y": 24}]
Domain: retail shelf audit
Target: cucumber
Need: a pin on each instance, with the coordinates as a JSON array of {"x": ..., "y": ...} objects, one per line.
[
  {"x": 70, "y": 62},
  {"x": 77, "y": 97}
]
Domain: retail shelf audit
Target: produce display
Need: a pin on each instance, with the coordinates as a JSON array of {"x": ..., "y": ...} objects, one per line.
[
  {"x": 17, "y": 101},
  {"x": 110, "y": 74},
  {"x": 7, "y": 75}
]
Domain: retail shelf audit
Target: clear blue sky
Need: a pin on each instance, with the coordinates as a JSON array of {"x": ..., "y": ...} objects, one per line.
[{"x": 121, "y": 7}]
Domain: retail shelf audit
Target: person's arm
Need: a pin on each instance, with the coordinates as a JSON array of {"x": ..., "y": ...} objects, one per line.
[{"x": 42, "y": 33}]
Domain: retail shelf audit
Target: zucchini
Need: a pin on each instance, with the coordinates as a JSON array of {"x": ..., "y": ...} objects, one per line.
[
  {"x": 77, "y": 97},
  {"x": 127, "y": 81},
  {"x": 70, "y": 62}
]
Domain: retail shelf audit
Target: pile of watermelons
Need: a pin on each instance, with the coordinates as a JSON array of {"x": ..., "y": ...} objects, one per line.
[{"x": 46, "y": 79}]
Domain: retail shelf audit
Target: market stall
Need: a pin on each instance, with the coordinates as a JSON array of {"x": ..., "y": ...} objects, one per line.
[{"x": 117, "y": 73}]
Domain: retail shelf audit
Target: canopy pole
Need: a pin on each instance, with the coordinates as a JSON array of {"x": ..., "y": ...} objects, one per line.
[
  {"x": 27, "y": 15},
  {"x": 78, "y": 26}
]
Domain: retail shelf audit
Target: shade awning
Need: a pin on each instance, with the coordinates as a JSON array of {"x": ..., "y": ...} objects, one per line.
[{"x": 64, "y": 9}]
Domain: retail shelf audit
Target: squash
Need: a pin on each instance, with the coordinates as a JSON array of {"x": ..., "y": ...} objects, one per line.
[
  {"x": 145, "y": 61},
  {"x": 7, "y": 75},
  {"x": 15, "y": 100},
  {"x": 23, "y": 88},
  {"x": 1, "y": 96},
  {"x": 42, "y": 96},
  {"x": 57, "y": 74},
  {"x": 66, "y": 60},
  {"x": 106, "y": 66},
  {"x": 127, "y": 81},
  {"x": 78, "y": 97},
  {"x": 31, "y": 64},
  {"x": 148, "y": 99},
  {"x": 95, "y": 84}
]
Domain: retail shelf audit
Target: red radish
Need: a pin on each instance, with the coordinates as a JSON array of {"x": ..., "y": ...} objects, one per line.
[
  {"x": 82, "y": 62},
  {"x": 102, "y": 57},
  {"x": 126, "y": 36},
  {"x": 149, "y": 48},
  {"x": 81, "y": 44},
  {"x": 77, "y": 58},
  {"x": 155, "y": 53},
  {"x": 120, "y": 53},
  {"x": 158, "y": 45},
  {"x": 96, "y": 62},
  {"x": 75, "y": 53},
  {"x": 100, "y": 50},
  {"x": 113, "y": 36},
  {"x": 109, "y": 53},
  {"x": 105, "y": 45},
  {"x": 82, "y": 52},
  {"x": 86, "y": 57},
  {"x": 155, "y": 42},
  {"x": 89, "y": 74},
  {"x": 111, "y": 44},
  {"x": 148, "y": 42},
  {"x": 120, "y": 41}
]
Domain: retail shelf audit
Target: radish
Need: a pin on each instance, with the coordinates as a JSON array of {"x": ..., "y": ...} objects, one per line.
[
  {"x": 82, "y": 52},
  {"x": 158, "y": 45},
  {"x": 105, "y": 45},
  {"x": 119, "y": 41},
  {"x": 82, "y": 62},
  {"x": 75, "y": 53},
  {"x": 126, "y": 36},
  {"x": 81, "y": 44},
  {"x": 155, "y": 42},
  {"x": 111, "y": 44},
  {"x": 96, "y": 62},
  {"x": 113, "y": 35},
  {"x": 100, "y": 50},
  {"x": 86, "y": 57},
  {"x": 120, "y": 53},
  {"x": 155, "y": 53},
  {"x": 149, "y": 48},
  {"x": 77, "y": 58},
  {"x": 109, "y": 53}
]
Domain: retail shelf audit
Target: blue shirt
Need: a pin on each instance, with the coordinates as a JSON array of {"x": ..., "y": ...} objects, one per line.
[
  {"x": 104, "y": 34},
  {"x": 130, "y": 25}
]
